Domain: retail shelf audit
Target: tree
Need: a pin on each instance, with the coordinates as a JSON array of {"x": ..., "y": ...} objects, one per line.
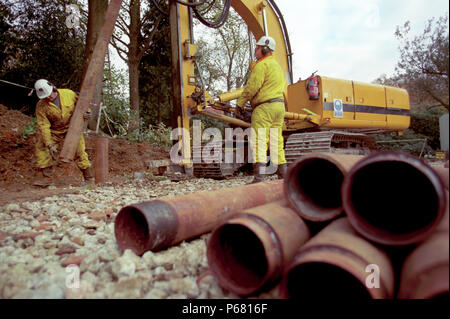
[
  {"x": 224, "y": 55},
  {"x": 97, "y": 10},
  {"x": 39, "y": 44},
  {"x": 424, "y": 62},
  {"x": 115, "y": 118},
  {"x": 44, "y": 47},
  {"x": 5, "y": 37},
  {"x": 155, "y": 79},
  {"x": 139, "y": 25}
]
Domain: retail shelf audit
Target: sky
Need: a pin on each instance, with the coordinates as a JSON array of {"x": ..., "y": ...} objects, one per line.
[
  {"x": 352, "y": 39},
  {"x": 349, "y": 39}
]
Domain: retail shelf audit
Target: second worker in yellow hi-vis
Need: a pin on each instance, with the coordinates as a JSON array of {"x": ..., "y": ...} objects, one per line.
[
  {"x": 265, "y": 92},
  {"x": 53, "y": 113}
]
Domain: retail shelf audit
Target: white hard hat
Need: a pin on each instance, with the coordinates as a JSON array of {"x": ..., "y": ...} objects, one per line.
[
  {"x": 43, "y": 88},
  {"x": 266, "y": 41}
]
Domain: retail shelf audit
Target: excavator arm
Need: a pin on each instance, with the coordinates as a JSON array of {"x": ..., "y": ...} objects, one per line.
[
  {"x": 335, "y": 104},
  {"x": 262, "y": 17}
]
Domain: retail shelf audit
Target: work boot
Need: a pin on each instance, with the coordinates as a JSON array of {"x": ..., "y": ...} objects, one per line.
[
  {"x": 47, "y": 172},
  {"x": 258, "y": 175},
  {"x": 46, "y": 179},
  {"x": 282, "y": 170},
  {"x": 87, "y": 175}
]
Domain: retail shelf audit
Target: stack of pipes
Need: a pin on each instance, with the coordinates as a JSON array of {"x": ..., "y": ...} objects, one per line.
[{"x": 337, "y": 226}]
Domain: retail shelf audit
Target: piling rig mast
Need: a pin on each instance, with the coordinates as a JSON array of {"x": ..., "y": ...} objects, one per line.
[{"x": 338, "y": 117}]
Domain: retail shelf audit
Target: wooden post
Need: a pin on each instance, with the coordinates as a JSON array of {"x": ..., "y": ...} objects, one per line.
[{"x": 95, "y": 69}]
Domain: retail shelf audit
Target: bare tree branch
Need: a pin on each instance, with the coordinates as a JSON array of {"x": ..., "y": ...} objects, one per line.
[
  {"x": 122, "y": 53},
  {"x": 149, "y": 38},
  {"x": 119, "y": 40},
  {"x": 123, "y": 24}
]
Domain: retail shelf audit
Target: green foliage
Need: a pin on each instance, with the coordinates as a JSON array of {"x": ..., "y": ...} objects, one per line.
[
  {"x": 410, "y": 142},
  {"x": 424, "y": 62},
  {"x": 155, "y": 81},
  {"x": 29, "y": 129},
  {"x": 118, "y": 112},
  {"x": 5, "y": 26},
  {"x": 224, "y": 56},
  {"x": 424, "y": 128},
  {"x": 423, "y": 71},
  {"x": 426, "y": 123},
  {"x": 158, "y": 135},
  {"x": 116, "y": 103},
  {"x": 208, "y": 122},
  {"x": 40, "y": 45}
]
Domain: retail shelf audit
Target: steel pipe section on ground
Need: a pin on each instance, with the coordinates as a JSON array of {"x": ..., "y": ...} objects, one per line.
[
  {"x": 338, "y": 263},
  {"x": 248, "y": 252},
  {"x": 394, "y": 198},
  {"x": 425, "y": 270},
  {"x": 313, "y": 185},
  {"x": 158, "y": 224}
]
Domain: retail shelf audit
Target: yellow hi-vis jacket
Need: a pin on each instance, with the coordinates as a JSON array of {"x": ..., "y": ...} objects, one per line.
[
  {"x": 54, "y": 123},
  {"x": 266, "y": 82},
  {"x": 50, "y": 118}
]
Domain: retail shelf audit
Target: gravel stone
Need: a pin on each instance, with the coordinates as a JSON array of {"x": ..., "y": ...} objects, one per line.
[{"x": 31, "y": 268}]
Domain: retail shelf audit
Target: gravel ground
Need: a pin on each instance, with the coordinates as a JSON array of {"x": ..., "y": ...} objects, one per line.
[{"x": 40, "y": 239}]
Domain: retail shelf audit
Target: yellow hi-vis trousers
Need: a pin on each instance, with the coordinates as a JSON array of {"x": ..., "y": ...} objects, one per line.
[
  {"x": 267, "y": 129},
  {"x": 44, "y": 157}
]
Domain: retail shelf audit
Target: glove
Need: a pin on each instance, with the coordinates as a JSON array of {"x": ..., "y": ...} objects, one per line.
[{"x": 53, "y": 152}]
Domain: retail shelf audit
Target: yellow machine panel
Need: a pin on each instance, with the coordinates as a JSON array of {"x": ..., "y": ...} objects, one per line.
[
  {"x": 370, "y": 102},
  {"x": 350, "y": 104},
  {"x": 333, "y": 92},
  {"x": 398, "y": 108}
]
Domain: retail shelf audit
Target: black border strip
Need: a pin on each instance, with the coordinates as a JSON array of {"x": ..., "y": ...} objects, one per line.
[{"x": 329, "y": 106}]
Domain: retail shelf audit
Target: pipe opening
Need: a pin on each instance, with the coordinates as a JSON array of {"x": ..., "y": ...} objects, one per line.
[
  {"x": 394, "y": 196},
  {"x": 132, "y": 231},
  {"x": 318, "y": 182},
  {"x": 322, "y": 281},
  {"x": 238, "y": 256}
]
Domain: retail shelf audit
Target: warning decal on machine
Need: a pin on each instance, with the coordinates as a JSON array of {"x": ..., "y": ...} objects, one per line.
[{"x": 338, "y": 108}]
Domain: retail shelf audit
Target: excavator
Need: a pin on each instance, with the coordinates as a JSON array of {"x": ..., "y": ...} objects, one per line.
[{"x": 323, "y": 114}]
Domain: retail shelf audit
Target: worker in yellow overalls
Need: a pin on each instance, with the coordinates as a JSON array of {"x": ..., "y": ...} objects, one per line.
[
  {"x": 53, "y": 114},
  {"x": 265, "y": 92}
]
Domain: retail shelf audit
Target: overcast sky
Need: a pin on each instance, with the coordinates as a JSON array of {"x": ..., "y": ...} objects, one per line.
[
  {"x": 352, "y": 39},
  {"x": 349, "y": 39}
]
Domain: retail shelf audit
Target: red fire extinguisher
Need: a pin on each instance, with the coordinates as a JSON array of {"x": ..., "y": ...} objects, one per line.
[{"x": 313, "y": 86}]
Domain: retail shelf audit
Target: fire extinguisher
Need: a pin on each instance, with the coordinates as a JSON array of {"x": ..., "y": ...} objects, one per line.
[{"x": 312, "y": 86}]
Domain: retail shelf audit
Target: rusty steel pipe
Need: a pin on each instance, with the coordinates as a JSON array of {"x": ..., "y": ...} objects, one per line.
[
  {"x": 443, "y": 174},
  {"x": 444, "y": 224},
  {"x": 394, "y": 198},
  {"x": 313, "y": 183},
  {"x": 159, "y": 224},
  {"x": 101, "y": 163},
  {"x": 425, "y": 271},
  {"x": 248, "y": 252},
  {"x": 338, "y": 263},
  {"x": 95, "y": 68}
]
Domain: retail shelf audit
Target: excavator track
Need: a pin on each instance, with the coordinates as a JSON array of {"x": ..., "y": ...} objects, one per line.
[
  {"x": 328, "y": 142},
  {"x": 298, "y": 144},
  {"x": 215, "y": 167}
]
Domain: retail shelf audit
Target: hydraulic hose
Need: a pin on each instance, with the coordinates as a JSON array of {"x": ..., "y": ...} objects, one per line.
[{"x": 220, "y": 21}]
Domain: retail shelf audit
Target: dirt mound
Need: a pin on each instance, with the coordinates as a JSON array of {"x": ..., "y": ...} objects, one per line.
[
  {"x": 126, "y": 157},
  {"x": 18, "y": 163}
]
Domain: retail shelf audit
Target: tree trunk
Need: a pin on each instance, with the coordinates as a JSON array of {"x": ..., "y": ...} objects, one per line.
[
  {"x": 133, "y": 64},
  {"x": 159, "y": 109},
  {"x": 97, "y": 10}
]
